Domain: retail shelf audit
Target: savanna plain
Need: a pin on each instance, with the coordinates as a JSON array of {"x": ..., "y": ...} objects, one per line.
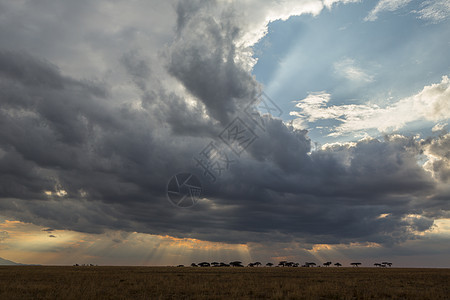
[{"x": 102, "y": 282}]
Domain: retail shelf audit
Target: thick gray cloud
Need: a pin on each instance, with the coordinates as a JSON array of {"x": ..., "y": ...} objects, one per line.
[
  {"x": 440, "y": 150},
  {"x": 203, "y": 58},
  {"x": 87, "y": 155}
]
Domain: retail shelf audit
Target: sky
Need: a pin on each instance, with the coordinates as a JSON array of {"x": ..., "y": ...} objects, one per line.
[{"x": 170, "y": 132}]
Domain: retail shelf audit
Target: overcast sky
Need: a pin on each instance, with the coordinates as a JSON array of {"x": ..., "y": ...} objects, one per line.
[{"x": 102, "y": 103}]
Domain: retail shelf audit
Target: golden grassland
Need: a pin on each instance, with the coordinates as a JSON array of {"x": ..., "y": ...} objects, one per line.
[{"x": 48, "y": 282}]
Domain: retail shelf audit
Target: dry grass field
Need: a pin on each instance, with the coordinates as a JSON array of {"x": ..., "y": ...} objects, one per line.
[{"x": 41, "y": 282}]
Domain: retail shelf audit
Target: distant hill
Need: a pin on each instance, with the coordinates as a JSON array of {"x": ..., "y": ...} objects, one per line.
[{"x": 5, "y": 262}]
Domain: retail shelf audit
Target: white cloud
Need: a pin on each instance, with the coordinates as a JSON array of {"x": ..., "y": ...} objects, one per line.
[
  {"x": 439, "y": 127},
  {"x": 254, "y": 15},
  {"x": 385, "y": 5},
  {"x": 435, "y": 11},
  {"x": 438, "y": 153},
  {"x": 430, "y": 104},
  {"x": 350, "y": 70},
  {"x": 255, "y": 21},
  {"x": 432, "y": 10},
  {"x": 329, "y": 3}
]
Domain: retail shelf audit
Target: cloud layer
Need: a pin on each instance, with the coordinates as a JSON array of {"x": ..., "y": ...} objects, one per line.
[
  {"x": 430, "y": 104},
  {"x": 96, "y": 155}
]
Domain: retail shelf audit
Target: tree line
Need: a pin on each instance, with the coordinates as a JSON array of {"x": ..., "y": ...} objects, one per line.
[{"x": 283, "y": 263}]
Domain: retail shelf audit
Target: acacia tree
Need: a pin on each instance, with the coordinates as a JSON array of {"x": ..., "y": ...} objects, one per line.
[
  {"x": 355, "y": 264},
  {"x": 236, "y": 264},
  {"x": 338, "y": 264},
  {"x": 327, "y": 264},
  {"x": 282, "y": 263},
  {"x": 269, "y": 264}
]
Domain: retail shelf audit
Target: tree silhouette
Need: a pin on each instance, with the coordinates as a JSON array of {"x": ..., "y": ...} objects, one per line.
[
  {"x": 355, "y": 264},
  {"x": 236, "y": 264},
  {"x": 377, "y": 265},
  {"x": 338, "y": 264},
  {"x": 257, "y": 263},
  {"x": 269, "y": 264},
  {"x": 327, "y": 264},
  {"x": 282, "y": 263},
  {"x": 215, "y": 264},
  {"x": 194, "y": 265},
  {"x": 251, "y": 265},
  {"x": 204, "y": 264},
  {"x": 386, "y": 263}
]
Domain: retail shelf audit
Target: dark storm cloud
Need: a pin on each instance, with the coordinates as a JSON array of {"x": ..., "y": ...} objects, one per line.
[
  {"x": 107, "y": 162},
  {"x": 69, "y": 127},
  {"x": 203, "y": 58},
  {"x": 165, "y": 106},
  {"x": 328, "y": 201}
]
